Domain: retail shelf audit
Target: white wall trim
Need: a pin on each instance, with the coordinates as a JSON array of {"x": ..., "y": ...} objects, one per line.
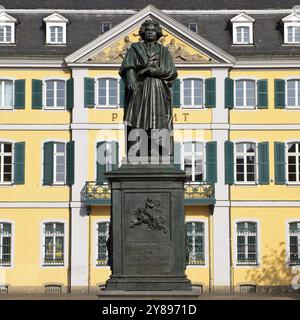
[
  {"x": 206, "y": 241},
  {"x": 66, "y": 247},
  {"x": 13, "y": 245},
  {"x": 97, "y": 126},
  {"x": 35, "y": 127},
  {"x": 271, "y": 204},
  {"x": 32, "y": 204},
  {"x": 258, "y": 238}
]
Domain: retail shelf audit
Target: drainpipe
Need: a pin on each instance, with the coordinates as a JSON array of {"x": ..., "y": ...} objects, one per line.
[
  {"x": 211, "y": 248},
  {"x": 89, "y": 211}
]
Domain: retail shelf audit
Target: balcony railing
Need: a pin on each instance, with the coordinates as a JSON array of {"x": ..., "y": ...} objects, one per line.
[{"x": 194, "y": 193}]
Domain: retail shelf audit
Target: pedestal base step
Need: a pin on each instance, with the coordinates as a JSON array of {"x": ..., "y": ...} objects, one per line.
[{"x": 149, "y": 295}]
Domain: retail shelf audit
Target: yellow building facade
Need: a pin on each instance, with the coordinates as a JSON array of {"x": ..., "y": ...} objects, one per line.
[{"x": 237, "y": 136}]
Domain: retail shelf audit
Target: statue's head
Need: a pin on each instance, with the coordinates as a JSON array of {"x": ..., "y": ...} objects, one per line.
[{"x": 150, "y": 31}]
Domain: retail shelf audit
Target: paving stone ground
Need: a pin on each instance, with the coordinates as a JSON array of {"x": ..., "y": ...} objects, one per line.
[{"x": 205, "y": 296}]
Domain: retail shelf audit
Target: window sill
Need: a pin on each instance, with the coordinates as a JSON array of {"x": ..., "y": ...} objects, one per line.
[
  {"x": 56, "y": 44},
  {"x": 245, "y": 184},
  {"x": 11, "y": 44},
  {"x": 293, "y": 184},
  {"x": 193, "y": 107},
  {"x": 6, "y": 184},
  {"x": 250, "y": 265},
  {"x": 291, "y": 44},
  {"x": 244, "y": 108},
  {"x": 106, "y": 107},
  {"x": 54, "y": 108},
  {"x": 241, "y": 44},
  {"x": 292, "y": 108},
  {"x": 6, "y": 108}
]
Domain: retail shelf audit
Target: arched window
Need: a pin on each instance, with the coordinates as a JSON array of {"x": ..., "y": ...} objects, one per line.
[
  {"x": 246, "y": 243},
  {"x": 53, "y": 244},
  {"x": 195, "y": 242},
  {"x": 102, "y": 237},
  {"x": 5, "y": 244}
]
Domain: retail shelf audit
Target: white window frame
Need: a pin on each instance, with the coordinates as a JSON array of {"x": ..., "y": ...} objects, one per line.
[
  {"x": 107, "y": 106},
  {"x": 288, "y": 262},
  {"x": 48, "y": 32},
  {"x": 42, "y": 244},
  {"x": 55, "y": 163},
  {"x": 192, "y": 106},
  {"x": 286, "y": 93},
  {"x": 6, "y": 183},
  {"x": 103, "y": 220},
  {"x": 255, "y": 182},
  {"x": 258, "y": 244},
  {"x": 244, "y": 95},
  {"x": 286, "y": 164},
  {"x": 206, "y": 241},
  {"x": 193, "y": 158},
  {"x": 286, "y": 25},
  {"x": 55, "y": 94},
  {"x": 12, "y": 38},
  {"x": 13, "y": 94},
  {"x": 7, "y": 20},
  {"x": 11, "y": 243},
  {"x": 243, "y": 24}
]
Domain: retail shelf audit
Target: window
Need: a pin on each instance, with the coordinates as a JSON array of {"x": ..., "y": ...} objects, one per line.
[
  {"x": 59, "y": 163},
  {"x": 53, "y": 244},
  {"x": 193, "y": 155},
  {"x": 108, "y": 92},
  {"x": 293, "y": 35},
  {"x": 195, "y": 242},
  {"x": 56, "y": 34},
  {"x": 243, "y": 35},
  {"x": 55, "y": 94},
  {"x": 245, "y": 93},
  {"x": 293, "y": 153},
  {"x": 193, "y": 26},
  {"x": 247, "y": 243},
  {"x": 5, "y": 244},
  {"x": 6, "y": 94},
  {"x": 293, "y": 93},
  {"x": 5, "y": 162},
  {"x": 193, "y": 93},
  {"x": 105, "y": 26},
  {"x": 5, "y": 34},
  {"x": 245, "y": 162},
  {"x": 294, "y": 237},
  {"x": 102, "y": 253}
]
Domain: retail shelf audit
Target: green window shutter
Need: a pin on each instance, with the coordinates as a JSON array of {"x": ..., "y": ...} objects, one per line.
[
  {"x": 176, "y": 93},
  {"x": 19, "y": 162},
  {"x": 262, "y": 94},
  {"x": 70, "y": 94},
  {"x": 122, "y": 93},
  {"x": 229, "y": 93},
  {"x": 210, "y": 93},
  {"x": 48, "y": 163},
  {"x": 115, "y": 154},
  {"x": 279, "y": 87},
  {"x": 177, "y": 155},
  {"x": 89, "y": 92},
  {"x": 279, "y": 148},
  {"x": 101, "y": 163},
  {"x": 70, "y": 162},
  {"x": 37, "y": 94},
  {"x": 20, "y": 94},
  {"x": 211, "y": 162},
  {"x": 263, "y": 163},
  {"x": 229, "y": 163}
]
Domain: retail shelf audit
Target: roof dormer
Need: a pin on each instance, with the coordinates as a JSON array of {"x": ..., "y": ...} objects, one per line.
[
  {"x": 56, "y": 29},
  {"x": 292, "y": 28},
  {"x": 242, "y": 28},
  {"x": 7, "y": 28}
]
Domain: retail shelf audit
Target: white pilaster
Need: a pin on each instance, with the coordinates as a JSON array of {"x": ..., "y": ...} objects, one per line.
[
  {"x": 80, "y": 219},
  {"x": 221, "y": 215}
]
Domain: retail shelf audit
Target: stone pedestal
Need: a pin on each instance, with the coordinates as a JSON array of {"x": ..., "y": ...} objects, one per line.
[{"x": 148, "y": 229}]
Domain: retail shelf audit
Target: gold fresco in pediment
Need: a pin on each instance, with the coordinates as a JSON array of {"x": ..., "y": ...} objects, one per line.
[{"x": 180, "y": 51}]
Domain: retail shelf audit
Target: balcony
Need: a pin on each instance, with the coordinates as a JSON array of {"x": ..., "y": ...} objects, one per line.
[{"x": 194, "y": 193}]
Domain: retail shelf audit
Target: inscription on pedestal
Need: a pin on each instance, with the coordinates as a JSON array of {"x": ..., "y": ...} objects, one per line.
[{"x": 147, "y": 258}]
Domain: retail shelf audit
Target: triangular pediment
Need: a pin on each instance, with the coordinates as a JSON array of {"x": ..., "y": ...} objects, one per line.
[
  {"x": 293, "y": 17},
  {"x": 5, "y": 17},
  {"x": 242, "y": 17},
  {"x": 56, "y": 17},
  {"x": 186, "y": 46}
]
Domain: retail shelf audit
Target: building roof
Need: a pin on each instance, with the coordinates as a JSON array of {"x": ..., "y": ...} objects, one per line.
[
  {"x": 83, "y": 28},
  {"x": 140, "y": 4}
]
